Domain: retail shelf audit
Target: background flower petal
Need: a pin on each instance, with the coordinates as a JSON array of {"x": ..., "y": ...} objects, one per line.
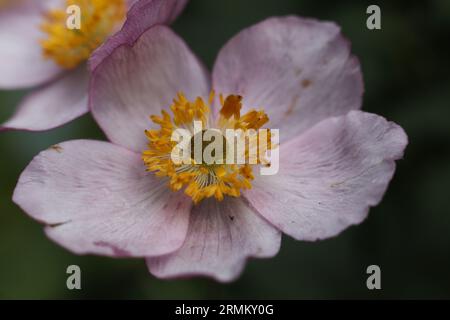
[
  {"x": 330, "y": 176},
  {"x": 22, "y": 63},
  {"x": 142, "y": 15},
  {"x": 97, "y": 198},
  {"x": 52, "y": 105},
  {"x": 299, "y": 70},
  {"x": 137, "y": 81},
  {"x": 220, "y": 238}
]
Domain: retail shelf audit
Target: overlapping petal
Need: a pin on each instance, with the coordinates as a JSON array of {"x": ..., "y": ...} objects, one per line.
[
  {"x": 221, "y": 237},
  {"x": 96, "y": 197},
  {"x": 137, "y": 81},
  {"x": 330, "y": 176},
  {"x": 143, "y": 15},
  {"x": 299, "y": 70}
]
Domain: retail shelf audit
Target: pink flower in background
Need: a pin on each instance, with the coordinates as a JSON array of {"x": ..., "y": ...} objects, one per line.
[
  {"x": 124, "y": 198},
  {"x": 38, "y": 50}
]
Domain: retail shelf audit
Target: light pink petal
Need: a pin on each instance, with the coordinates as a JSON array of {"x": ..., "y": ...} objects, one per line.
[
  {"x": 21, "y": 61},
  {"x": 53, "y": 105},
  {"x": 330, "y": 176},
  {"x": 97, "y": 198},
  {"x": 220, "y": 238},
  {"x": 137, "y": 81},
  {"x": 300, "y": 71},
  {"x": 143, "y": 15}
]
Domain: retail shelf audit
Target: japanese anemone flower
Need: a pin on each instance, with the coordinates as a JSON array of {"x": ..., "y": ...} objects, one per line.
[
  {"x": 124, "y": 198},
  {"x": 37, "y": 49}
]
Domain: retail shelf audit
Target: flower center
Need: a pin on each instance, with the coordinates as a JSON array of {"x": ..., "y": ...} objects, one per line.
[
  {"x": 68, "y": 46},
  {"x": 203, "y": 179},
  {"x": 200, "y": 136}
]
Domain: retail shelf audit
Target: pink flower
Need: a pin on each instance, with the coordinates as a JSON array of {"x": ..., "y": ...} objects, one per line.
[
  {"x": 39, "y": 51},
  {"x": 335, "y": 161}
]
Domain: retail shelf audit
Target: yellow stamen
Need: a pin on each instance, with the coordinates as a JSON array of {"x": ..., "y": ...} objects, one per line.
[
  {"x": 231, "y": 107},
  {"x": 201, "y": 180},
  {"x": 67, "y": 47}
]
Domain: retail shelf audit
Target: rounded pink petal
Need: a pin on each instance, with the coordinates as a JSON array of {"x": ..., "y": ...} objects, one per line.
[
  {"x": 22, "y": 63},
  {"x": 137, "y": 81},
  {"x": 300, "y": 71},
  {"x": 330, "y": 176},
  {"x": 142, "y": 15},
  {"x": 220, "y": 238},
  {"x": 53, "y": 105},
  {"x": 97, "y": 198}
]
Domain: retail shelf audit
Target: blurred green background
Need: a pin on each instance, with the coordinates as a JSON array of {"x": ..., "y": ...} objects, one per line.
[{"x": 406, "y": 72}]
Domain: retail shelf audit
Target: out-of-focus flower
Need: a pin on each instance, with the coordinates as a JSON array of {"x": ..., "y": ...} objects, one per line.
[
  {"x": 335, "y": 161},
  {"x": 37, "y": 49}
]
